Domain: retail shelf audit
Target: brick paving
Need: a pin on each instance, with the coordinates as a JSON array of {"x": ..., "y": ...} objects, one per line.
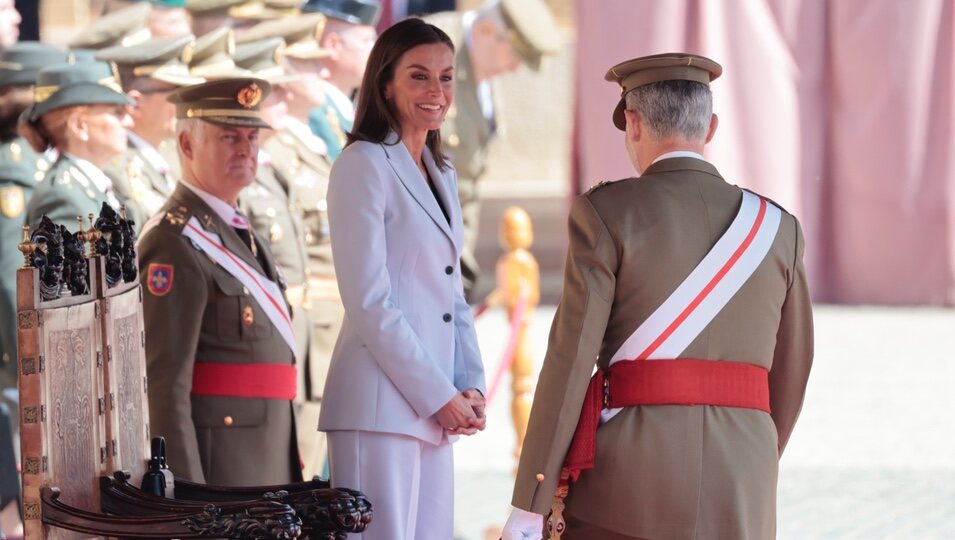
[{"x": 873, "y": 455}]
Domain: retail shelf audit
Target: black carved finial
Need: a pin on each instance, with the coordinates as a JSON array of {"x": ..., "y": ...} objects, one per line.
[
  {"x": 48, "y": 257},
  {"x": 75, "y": 269}
]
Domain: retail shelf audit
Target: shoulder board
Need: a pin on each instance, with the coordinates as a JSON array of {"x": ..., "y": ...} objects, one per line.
[
  {"x": 776, "y": 204},
  {"x": 176, "y": 216},
  {"x": 604, "y": 183}
]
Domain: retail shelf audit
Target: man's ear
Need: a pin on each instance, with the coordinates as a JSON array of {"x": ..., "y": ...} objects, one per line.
[
  {"x": 634, "y": 125},
  {"x": 185, "y": 145},
  {"x": 134, "y": 109},
  {"x": 714, "y": 122},
  {"x": 332, "y": 42}
]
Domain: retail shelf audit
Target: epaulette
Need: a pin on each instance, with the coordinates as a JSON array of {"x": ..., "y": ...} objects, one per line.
[
  {"x": 177, "y": 217},
  {"x": 603, "y": 183}
]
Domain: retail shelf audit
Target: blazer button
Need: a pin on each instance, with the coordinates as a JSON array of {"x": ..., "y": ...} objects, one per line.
[
  {"x": 448, "y": 270},
  {"x": 227, "y": 420},
  {"x": 447, "y": 317},
  {"x": 540, "y": 477}
]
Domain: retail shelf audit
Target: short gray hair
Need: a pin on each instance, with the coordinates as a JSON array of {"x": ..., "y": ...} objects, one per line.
[
  {"x": 191, "y": 127},
  {"x": 673, "y": 108}
]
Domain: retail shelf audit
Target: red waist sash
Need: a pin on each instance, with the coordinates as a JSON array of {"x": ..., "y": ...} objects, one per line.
[
  {"x": 267, "y": 381},
  {"x": 663, "y": 382}
]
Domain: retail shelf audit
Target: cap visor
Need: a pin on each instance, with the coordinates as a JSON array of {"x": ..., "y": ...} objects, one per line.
[
  {"x": 619, "y": 118},
  {"x": 236, "y": 121}
]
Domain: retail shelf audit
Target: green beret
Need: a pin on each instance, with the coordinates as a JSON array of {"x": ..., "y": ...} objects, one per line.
[
  {"x": 656, "y": 68},
  {"x": 20, "y": 62},
  {"x": 159, "y": 59},
  {"x": 224, "y": 102},
  {"x": 64, "y": 85}
]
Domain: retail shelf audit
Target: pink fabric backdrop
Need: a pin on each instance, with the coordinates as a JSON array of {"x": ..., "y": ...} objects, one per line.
[{"x": 840, "y": 110}]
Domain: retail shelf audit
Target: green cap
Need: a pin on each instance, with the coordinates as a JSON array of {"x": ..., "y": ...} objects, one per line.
[
  {"x": 365, "y": 12},
  {"x": 126, "y": 26},
  {"x": 167, "y": 4},
  {"x": 86, "y": 83},
  {"x": 656, "y": 68},
  {"x": 212, "y": 56},
  {"x": 160, "y": 59},
  {"x": 264, "y": 59},
  {"x": 301, "y": 35},
  {"x": 532, "y": 30},
  {"x": 224, "y": 102},
  {"x": 20, "y": 62}
]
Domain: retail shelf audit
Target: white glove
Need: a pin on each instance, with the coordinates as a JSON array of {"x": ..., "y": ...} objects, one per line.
[{"x": 523, "y": 525}]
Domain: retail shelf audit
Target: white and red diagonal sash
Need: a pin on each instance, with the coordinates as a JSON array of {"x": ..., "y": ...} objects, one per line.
[
  {"x": 265, "y": 292},
  {"x": 670, "y": 329}
]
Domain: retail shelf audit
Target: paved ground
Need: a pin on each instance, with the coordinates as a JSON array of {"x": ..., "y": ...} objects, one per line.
[{"x": 873, "y": 455}]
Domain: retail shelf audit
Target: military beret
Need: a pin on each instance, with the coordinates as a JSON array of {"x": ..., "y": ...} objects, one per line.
[
  {"x": 20, "y": 62},
  {"x": 656, "y": 68},
  {"x": 126, "y": 26},
  {"x": 159, "y": 59},
  {"x": 301, "y": 35},
  {"x": 532, "y": 30},
  {"x": 366, "y": 12},
  {"x": 86, "y": 83},
  {"x": 263, "y": 59},
  {"x": 212, "y": 56},
  {"x": 225, "y": 102}
]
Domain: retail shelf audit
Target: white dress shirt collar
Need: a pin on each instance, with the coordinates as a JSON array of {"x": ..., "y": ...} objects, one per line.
[
  {"x": 678, "y": 154},
  {"x": 224, "y": 210}
]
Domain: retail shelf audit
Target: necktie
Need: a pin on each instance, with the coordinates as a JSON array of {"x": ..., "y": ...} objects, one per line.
[{"x": 241, "y": 227}]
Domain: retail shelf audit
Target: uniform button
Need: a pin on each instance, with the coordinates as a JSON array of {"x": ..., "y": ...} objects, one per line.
[
  {"x": 448, "y": 270},
  {"x": 540, "y": 477},
  {"x": 447, "y": 317},
  {"x": 227, "y": 420}
]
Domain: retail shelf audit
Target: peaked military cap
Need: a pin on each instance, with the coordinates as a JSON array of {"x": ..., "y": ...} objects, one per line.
[
  {"x": 264, "y": 60},
  {"x": 20, "y": 62},
  {"x": 301, "y": 35},
  {"x": 224, "y": 102},
  {"x": 366, "y": 12},
  {"x": 159, "y": 59},
  {"x": 532, "y": 30},
  {"x": 656, "y": 68},
  {"x": 125, "y": 26},
  {"x": 212, "y": 56},
  {"x": 207, "y": 7},
  {"x": 86, "y": 83},
  {"x": 265, "y": 9}
]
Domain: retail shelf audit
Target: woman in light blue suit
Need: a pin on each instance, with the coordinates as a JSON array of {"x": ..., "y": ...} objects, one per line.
[{"x": 406, "y": 373}]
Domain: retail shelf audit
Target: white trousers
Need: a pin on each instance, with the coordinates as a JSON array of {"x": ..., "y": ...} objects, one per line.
[{"x": 409, "y": 482}]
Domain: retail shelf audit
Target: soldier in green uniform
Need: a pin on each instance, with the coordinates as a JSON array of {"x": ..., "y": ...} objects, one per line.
[
  {"x": 348, "y": 38},
  {"x": 80, "y": 111},
  {"x": 219, "y": 340},
  {"x": 291, "y": 211},
  {"x": 148, "y": 71},
  {"x": 20, "y": 170},
  {"x": 488, "y": 42}
]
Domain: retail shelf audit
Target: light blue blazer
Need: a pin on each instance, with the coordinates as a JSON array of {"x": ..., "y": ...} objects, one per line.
[{"x": 407, "y": 345}]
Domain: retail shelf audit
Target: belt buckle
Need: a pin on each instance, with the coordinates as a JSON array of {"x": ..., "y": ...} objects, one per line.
[{"x": 606, "y": 389}]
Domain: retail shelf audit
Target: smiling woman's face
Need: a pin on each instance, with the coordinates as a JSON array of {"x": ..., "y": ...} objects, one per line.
[{"x": 422, "y": 88}]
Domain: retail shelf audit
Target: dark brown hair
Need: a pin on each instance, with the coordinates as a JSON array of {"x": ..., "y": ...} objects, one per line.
[
  {"x": 374, "y": 115},
  {"x": 13, "y": 101}
]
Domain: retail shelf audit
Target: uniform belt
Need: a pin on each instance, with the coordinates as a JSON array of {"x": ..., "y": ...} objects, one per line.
[
  {"x": 323, "y": 288},
  {"x": 663, "y": 382},
  {"x": 266, "y": 381}
]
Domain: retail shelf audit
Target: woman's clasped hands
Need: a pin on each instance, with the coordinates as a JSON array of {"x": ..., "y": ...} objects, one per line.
[{"x": 464, "y": 414}]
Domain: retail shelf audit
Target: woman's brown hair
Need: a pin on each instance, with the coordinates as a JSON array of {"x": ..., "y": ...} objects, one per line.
[
  {"x": 374, "y": 116},
  {"x": 49, "y": 131},
  {"x": 13, "y": 101}
]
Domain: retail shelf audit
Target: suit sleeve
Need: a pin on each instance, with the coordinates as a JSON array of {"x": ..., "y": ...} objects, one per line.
[
  {"x": 172, "y": 322},
  {"x": 357, "y": 199},
  {"x": 575, "y": 339},
  {"x": 792, "y": 359}
]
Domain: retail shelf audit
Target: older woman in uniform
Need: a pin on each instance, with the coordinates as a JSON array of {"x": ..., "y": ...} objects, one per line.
[
  {"x": 79, "y": 110},
  {"x": 406, "y": 373}
]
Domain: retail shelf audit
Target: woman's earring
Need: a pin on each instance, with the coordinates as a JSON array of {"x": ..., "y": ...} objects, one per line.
[{"x": 84, "y": 136}]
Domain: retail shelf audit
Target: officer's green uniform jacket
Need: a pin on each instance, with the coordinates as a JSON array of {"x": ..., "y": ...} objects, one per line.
[
  {"x": 206, "y": 315},
  {"x": 329, "y": 123},
  {"x": 65, "y": 193},
  {"x": 139, "y": 183},
  {"x": 20, "y": 170},
  {"x": 466, "y": 134}
]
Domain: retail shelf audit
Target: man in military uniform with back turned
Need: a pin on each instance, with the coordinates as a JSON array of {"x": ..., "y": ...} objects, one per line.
[
  {"x": 690, "y": 294},
  {"x": 20, "y": 170},
  {"x": 148, "y": 72},
  {"x": 293, "y": 175},
  {"x": 488, "y": 42},
  {"x": 219, "y": 340}
]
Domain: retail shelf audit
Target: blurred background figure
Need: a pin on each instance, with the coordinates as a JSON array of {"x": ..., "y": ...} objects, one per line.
[
  {"x": 149, "y": 72},
  {"x": 9, "y": 23},
  {"x": 208, "y": 15},
  {"x": 292, "y": 175},
  {"x": 393, "y": 11},
  {"x": 490, "y": 41},
  {"x": 167, "y": 18},
  {"x": 79, "y": 110},
  {"x": 126, "y": 26},
  {"x": 348, "y": 37}
]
